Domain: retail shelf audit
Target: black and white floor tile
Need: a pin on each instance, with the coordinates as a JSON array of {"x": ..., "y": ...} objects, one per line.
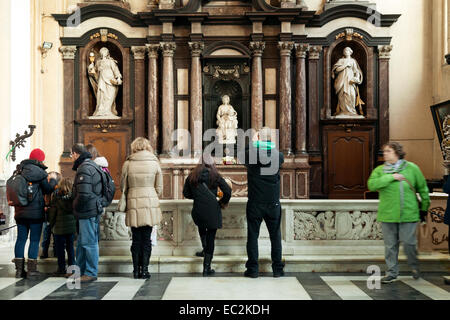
[{"x": 226, "y": 286}]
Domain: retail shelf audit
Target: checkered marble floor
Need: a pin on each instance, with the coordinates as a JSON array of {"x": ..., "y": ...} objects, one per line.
[{"x": 226, "y": 286}]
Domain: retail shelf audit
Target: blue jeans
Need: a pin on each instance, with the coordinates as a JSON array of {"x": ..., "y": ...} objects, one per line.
[
  {"x": 46, "y": 237},
  {"x": 22, "y": 236},
  {"x": 87, "y": 246},
  {"x": 64, "y": 243}
]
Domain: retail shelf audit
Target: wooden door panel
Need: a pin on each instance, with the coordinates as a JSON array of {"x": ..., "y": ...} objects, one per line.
[
  {"x": 348, "y": 163},
  {"x": 112, "y": 146}
]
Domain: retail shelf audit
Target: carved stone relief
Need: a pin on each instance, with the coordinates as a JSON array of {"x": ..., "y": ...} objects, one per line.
[{"x": 331, "y": 225}]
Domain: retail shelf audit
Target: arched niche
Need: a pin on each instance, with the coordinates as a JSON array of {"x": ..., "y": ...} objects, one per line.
[
  {"x": 233, "y": 89},
  {"x": 87, "y": 97},
  {"x": 364, "y": 55}
]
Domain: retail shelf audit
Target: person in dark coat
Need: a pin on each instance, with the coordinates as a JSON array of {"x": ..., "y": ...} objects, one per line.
[
  {"x": 263, "y": 162},
  {"x": 47, "y": 234},
  {"x": 88, "y": 204},
  {"x": 63, "y": 224},
  {"x": 30, "y": 218},
  {"x": 201, "y": 186},
  {"x": 447, "y": 216}
]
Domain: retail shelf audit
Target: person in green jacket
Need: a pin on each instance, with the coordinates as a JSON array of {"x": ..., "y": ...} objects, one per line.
[
  {"x": 397, "y": 182},
  {"x": 63, "y": 224}
]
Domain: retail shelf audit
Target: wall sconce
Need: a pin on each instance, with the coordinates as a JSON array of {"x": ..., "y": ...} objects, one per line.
[{"x": 46, "y": 46}]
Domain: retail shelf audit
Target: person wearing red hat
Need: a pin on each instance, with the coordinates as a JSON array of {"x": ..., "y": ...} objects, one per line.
[
  {"x": 37, "y": 154},
  {"x": 30, "y": 218}
]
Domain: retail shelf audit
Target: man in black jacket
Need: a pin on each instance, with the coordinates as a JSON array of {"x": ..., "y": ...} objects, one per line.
[
  {"x": 88, "y": 204},
  {"x": 30, "y": 218},
  {"x": 263, "y": 162}
]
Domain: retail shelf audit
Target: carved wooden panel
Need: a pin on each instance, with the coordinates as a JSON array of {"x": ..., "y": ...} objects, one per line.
[
  {"x": 348, "y": 157},
  {"x": 302, "y": 183},
  {"x": 112, "y": 146},
  {"x": 287, "y": 184}
]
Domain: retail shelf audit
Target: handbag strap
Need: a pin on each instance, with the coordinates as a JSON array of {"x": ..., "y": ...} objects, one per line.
[
  {"x": 410, "y": 185},
  {"x": 209, "y": 191}
]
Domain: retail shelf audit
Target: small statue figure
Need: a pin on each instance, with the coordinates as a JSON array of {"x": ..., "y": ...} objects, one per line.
[
  {"x": 348, "y": 75},
  {"x": 105, "y": 78},
  {"x": 227, "y": 122}
]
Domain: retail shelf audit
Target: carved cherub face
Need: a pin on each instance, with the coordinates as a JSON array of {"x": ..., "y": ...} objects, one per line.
[
  {"x": 328, "y": 215},
  {"x": 226, "y": 99}
]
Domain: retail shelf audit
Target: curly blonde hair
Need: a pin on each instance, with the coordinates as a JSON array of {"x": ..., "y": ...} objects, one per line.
[{"x": 140, "y": 144}]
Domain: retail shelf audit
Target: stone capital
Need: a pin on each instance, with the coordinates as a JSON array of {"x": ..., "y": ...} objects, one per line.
[
  {"x": 257, "y": 47},
  {"x": 152, "y": 50},
  {"x": 314, "y": 52},
  {"x": 196, "y": 48},
  {"x": 138, "y": 52},
  {"x": 68, "y": 52},
  {"x": 301, "y": 49},
  {"x": 166, "y": 4},
  {"x": 168, "y": 48},
  {"x": 384, "y": 52},
  {"x": 285, "y": 47}
]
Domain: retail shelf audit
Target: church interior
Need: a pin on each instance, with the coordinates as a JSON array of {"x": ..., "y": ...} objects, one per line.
[{"x": 335, "y": 80}]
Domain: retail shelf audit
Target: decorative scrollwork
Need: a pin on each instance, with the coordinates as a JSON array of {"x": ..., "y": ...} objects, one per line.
[
  {"x": 104, "y": 35},
  {"x": 104, "y": 126},
  {"x": 20, "y": 141},
  {"x": 226, "y": 74},
  {"x": 349, "y": 34}
]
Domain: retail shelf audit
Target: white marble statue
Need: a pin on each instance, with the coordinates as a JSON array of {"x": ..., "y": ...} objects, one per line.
[
  {"x": 105, "y": 78},
  {"x": 348, "y": 75},
  {"x": 227, "y": 122}
]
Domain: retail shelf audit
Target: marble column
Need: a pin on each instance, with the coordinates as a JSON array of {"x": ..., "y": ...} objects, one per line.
[
  {"x": 300, "y": 98},
  {"x": 139, "y": 90},
  {"x": 313, "y": 88},
  {"x": 153, "y": 110},
  {"x": 285, "y": 48},
  {"x": 196, "y": 119},
  {"x": 384, "y": 55},
  {"x": 168, "y": 107},
  {"x": 68, "y": 53},
  {"x": 257, "y": 48}
]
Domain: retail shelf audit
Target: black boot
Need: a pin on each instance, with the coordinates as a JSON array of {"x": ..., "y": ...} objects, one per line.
[
  {"x": 145, "y": 262},
  {"x": 207, "y": 271},
  {"x": 20, "y": 267},
  {"x": 135, "y": 256},
  {"x": 32, "y": 273},
  {"x": 44, "y": 253},
  {"x": 202, "y": 253}
]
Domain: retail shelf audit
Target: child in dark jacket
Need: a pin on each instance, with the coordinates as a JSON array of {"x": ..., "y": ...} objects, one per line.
[{"x": 63, "y": 224}]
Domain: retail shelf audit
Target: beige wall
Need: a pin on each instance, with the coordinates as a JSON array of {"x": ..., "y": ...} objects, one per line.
[
  {"x": 5, "y": 58},
  {"x": 418, "y": 77},
  {"x": 47, "y": 86}
]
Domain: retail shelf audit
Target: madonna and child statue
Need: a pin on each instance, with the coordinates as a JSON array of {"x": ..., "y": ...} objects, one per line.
[{"x": 227, "y": 122}]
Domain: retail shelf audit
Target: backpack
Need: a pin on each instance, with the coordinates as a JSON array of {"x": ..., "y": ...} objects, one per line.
[
  {"x": 108, "y": 186},
  {"x": 17, "y": 192}
]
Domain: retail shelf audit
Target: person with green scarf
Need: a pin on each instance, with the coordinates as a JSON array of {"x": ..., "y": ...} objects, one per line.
[{"x": 397, "y": 182}]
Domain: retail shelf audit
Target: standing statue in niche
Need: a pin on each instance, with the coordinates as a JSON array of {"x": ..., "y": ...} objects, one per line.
[
  {"x": 105, "y": 79},
  {"x": 348, "y": 75},
  {"x": 227, "y": 122}
]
